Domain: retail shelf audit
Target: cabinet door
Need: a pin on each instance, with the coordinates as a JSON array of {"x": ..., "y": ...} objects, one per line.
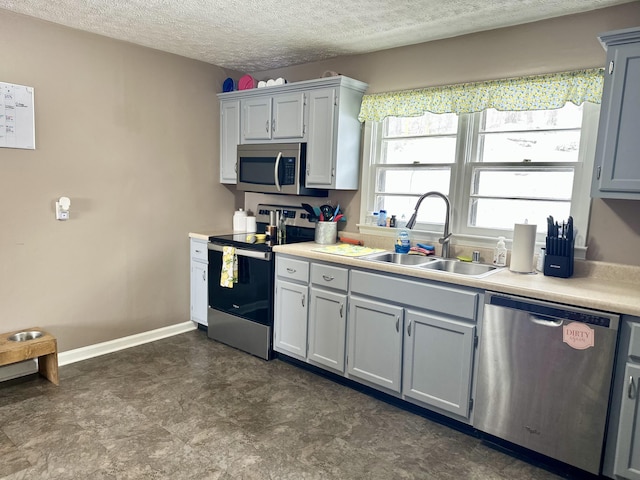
[
  {"x": 229, "y": 140},
  {"x": 288, "y": 116},
  {"x": 438, "y": 361},
  {"x": 617, "y": 168},
  {"x": 199, "y": 292},
  {"x": 327, "y": 328},
  {"x": 375, "y": 342},
  {"x": 321, "y": 145},
  {"x": 627, "y": 464},
  {"x": 256, "y": 118},
  {"x": 290, "y": 323}
]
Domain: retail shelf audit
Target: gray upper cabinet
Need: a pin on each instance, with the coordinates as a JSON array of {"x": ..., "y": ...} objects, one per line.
[
  {"x": 229, "y": 139},
  {"x": 273, "y": 117},
  {"x": 323, "y": 113},
  {"x": 617, "y": 164}
]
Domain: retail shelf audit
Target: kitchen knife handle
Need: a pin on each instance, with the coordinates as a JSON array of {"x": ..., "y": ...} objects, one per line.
[{"x": 631, "y": 388}]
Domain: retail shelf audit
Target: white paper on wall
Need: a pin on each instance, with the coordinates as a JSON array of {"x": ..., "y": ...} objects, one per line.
[{"x": 17, "y": 120}]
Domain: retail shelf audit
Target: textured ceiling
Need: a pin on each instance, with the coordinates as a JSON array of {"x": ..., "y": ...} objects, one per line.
[{"x": 251, "y": 35}]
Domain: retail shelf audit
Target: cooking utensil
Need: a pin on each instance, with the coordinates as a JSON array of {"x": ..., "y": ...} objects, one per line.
[
  {"x": 313, "y": 216},
  {"x": 337, "y": 218},
  {"x": 327, "y": 212}
]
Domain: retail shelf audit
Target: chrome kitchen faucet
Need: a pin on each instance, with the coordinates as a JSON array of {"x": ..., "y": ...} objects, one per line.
[{"x": 444, "y": 241}]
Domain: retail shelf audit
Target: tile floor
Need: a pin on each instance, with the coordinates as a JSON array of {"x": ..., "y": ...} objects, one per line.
[{"x": 190, "y": 408}]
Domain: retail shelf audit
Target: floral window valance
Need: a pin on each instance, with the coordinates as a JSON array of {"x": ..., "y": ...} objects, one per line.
[{"x": 540, "y": 92}]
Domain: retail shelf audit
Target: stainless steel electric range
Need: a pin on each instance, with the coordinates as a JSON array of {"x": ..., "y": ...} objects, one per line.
[{"x": 242, "y": 316}]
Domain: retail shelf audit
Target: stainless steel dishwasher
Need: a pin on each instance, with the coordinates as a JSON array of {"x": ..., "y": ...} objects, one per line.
[{"x": 544, "y": 377}]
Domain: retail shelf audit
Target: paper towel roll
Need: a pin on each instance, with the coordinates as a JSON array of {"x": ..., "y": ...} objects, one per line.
[
  {"x": 251, "y": 225},
  {"x": 524, "y": 243}
]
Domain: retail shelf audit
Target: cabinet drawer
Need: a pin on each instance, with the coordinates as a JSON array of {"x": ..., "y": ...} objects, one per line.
[
  {"x": 634, "y": 345},
  {"x": 433, "y": 297},
  {"x": 329, "y": 276},
  {"x": 292, "y": 269},
  {"x": 199, "y": 250}
]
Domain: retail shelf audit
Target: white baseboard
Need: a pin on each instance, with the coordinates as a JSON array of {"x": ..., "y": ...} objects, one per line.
[
  {"x": 91, "y": 351},
  {"x": 28, "y": 367}
]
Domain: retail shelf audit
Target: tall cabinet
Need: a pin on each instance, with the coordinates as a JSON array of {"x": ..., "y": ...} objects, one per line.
[
  {"x": 323, "y": 113},
  {"x": 617, "y": 168}
]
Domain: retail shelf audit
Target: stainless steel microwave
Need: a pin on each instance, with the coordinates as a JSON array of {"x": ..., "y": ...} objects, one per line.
[{"x": 274, "y": 168}]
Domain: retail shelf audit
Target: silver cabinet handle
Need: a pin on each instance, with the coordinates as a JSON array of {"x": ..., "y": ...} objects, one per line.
[
  {"x": 341, "y": 309},
  {"x": 291, "y": 270},
  {"x": 266, "y": 126},
  {"x": 204, "y": 275},
  {"x": 198, "y": 251},
  {"x": 327, "y": 278},
  {"x": 397, "y": 323},
  {"x": 303, "y": 299},
  {"x": 273, "y": 125},
  {"x": 235, "y": 167},
  {"x": 610, "y": 67},
  {"x": 409, "y": 328},
  {"x": 630, "y": 390}
]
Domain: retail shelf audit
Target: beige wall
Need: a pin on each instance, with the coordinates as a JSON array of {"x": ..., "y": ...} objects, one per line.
[
  {"x": 561, "y": 44},
  {"x": 130, "y": 135}
]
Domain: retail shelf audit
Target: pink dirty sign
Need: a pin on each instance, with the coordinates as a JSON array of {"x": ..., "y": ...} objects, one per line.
[{"x": 578, "y": 335}]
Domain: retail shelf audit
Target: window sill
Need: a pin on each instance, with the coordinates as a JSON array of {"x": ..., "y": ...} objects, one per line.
[{"x": 456, "y": 239}]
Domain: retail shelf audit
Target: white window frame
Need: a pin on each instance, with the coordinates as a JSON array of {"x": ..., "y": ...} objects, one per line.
[{"x": 460, "y": 187}]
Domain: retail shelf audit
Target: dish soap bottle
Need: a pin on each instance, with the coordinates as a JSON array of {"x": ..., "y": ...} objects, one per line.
[
  {"x": 402, "y": 242},
  {"x": 500, "y": 254}
]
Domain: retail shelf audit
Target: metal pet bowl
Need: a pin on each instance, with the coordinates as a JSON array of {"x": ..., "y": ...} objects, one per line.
[{"x": 25, "y": 336}]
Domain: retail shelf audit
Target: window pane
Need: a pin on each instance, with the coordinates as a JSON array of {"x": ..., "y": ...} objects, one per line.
[
  {"x": 428, "y": 124},
  {"x": 419, "y": 150},
  {"x": 491, "y": 213},
  {"x": 560, "y": 146},
  {"x": 570, "y": 116},
  {"x": 416, "y": 181},
  {"x": 523, "y": 183},
  {"x": 432, "y": 210}
]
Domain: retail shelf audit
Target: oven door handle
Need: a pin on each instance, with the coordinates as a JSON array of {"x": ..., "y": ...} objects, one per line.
[{"x": 266, "y": 256}]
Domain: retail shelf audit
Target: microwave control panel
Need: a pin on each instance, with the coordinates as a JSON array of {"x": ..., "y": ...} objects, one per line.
[{"x": 288, "y": 171}]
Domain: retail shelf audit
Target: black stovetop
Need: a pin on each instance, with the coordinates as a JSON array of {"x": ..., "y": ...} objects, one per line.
[{"x": 243, "y": 240}]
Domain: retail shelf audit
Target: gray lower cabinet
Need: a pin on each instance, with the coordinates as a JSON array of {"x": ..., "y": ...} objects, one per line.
[
  {"x": 375, "y": 342},
  {"x": 622, "y": 454},
  {"x": 199, "y": 292},
  {"x": 409, "y": 338},
  {"x": 628, "y": 456},
  {"x": 438, "y": 361},
  {"x": 616, "y": 167},
  {"x": 290, "y": 319},
  {"x": 327, "y": 328}
]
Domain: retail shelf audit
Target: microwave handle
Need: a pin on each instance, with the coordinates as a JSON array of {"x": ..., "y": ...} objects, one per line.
[{"x": 275, "y": 171}]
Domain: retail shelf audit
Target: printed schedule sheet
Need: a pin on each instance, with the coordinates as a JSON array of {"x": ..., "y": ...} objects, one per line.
[{"x": 17, "y": 121}]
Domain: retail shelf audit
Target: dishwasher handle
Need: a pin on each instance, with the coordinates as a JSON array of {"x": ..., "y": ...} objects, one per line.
[{"x": 546, "y": 321}]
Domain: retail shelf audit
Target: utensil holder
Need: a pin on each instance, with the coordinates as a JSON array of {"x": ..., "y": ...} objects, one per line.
[{"x": 326, "y": 233}]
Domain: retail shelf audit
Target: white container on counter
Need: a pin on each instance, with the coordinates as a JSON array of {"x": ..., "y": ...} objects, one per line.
[{"x": 239, "y": 221}]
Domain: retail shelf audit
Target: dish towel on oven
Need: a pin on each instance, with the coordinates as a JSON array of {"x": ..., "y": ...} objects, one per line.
[{"x": 229, "y": 271}]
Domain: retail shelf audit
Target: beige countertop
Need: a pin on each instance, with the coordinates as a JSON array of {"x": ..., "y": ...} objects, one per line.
[
  {"x": 205, "y": 234},
  {"x": 602, "y": 286}
]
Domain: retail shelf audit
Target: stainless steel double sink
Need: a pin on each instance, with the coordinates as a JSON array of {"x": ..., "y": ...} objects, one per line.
[{"x": 437, "y": 264}]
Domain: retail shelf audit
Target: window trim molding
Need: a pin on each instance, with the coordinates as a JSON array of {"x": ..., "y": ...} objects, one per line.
[{"x": 468, "y": 123}]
